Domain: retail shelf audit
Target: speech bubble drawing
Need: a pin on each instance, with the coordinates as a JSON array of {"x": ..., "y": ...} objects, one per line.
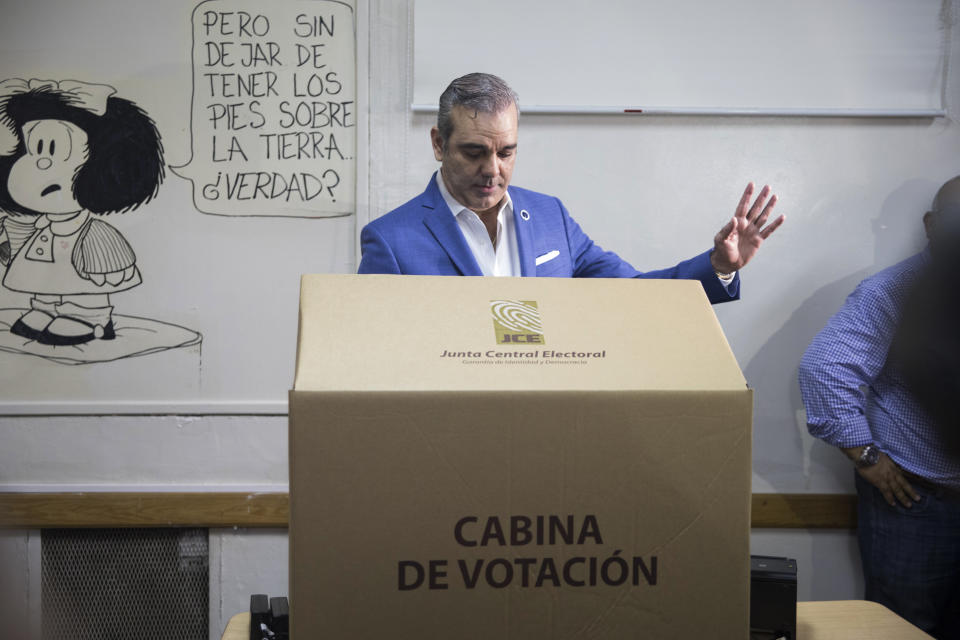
[{"x": 273, "y": 114}]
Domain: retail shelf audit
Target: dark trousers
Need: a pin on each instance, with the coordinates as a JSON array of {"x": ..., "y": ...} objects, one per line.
[{"x": 911, "y": 557}]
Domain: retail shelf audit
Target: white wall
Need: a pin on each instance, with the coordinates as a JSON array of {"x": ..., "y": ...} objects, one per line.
[
  {"x": 167, "y": 453},
  {"x": 653, "y": 189},
  {"x": 656, "y": 189}
]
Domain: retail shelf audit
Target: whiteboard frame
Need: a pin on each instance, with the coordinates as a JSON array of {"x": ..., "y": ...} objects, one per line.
[{"x": 799, "y": 112}]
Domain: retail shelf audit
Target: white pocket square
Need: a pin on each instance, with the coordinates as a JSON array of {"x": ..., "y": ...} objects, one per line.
[{"x": 547, "y": 257}]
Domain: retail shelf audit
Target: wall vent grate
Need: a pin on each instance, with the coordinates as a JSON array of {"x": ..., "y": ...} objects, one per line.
[{"x": 125, "y": 584}]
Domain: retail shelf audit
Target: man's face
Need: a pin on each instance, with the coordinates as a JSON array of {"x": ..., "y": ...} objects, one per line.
[{"x": 477, "y": 160}]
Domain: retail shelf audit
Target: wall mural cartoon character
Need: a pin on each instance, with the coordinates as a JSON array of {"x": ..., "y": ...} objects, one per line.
[{"x": 81, "y": 154}]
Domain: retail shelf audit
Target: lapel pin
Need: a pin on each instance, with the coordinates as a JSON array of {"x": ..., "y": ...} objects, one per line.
[{"x": 524, "y": 214}]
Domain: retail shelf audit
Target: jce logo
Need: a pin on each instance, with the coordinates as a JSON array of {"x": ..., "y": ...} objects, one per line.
[{"x": 517, "y": 322}]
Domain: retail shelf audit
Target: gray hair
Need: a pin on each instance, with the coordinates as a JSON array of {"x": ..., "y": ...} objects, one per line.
[{"x": 479, "y": 92}]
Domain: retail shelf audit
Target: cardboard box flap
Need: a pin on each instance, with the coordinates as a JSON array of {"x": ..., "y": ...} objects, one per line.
[{"x": 433, "y": 333}]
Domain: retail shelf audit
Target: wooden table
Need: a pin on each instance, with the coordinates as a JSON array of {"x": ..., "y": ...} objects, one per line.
[
  {"x": 238, "y": 628},
  {"x": 852, "y": 620},
  {"x": 833, "y": 620}
]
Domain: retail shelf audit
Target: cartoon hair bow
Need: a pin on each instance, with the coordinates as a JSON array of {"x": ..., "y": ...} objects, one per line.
[{"x": 84, "y": 95}]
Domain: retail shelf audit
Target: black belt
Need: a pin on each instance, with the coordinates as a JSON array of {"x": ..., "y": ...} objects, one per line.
[{"x": 938, "y": 490}]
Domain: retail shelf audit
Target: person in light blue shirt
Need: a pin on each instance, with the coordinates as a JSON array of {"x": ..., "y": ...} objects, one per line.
[{"x": 859, "y": 399}]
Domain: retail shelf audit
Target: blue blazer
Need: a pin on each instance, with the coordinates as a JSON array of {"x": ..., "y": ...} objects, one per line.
[{"x": 422, "y": 237}]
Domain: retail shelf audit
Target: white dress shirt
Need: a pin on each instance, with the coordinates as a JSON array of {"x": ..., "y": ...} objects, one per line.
[{"x": 500, "y": 258}]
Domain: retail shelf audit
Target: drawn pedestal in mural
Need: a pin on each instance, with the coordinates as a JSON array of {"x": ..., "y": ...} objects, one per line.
[
  {"x": 134, "y": 337},
  {"x": 516, "y": 458}
]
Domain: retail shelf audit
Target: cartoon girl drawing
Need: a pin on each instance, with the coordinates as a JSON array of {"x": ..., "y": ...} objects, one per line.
[{"x": 81, "y": 152}]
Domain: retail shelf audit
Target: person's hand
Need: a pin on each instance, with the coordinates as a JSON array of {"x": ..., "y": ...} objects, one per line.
[
  {"x": 740, "y": 239},
  {"x": 888, "y": 478}
]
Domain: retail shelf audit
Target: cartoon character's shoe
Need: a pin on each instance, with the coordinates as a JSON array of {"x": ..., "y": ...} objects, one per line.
[
  {"x": 64, "y": 332},
  {"x": 32, "y": 324}
]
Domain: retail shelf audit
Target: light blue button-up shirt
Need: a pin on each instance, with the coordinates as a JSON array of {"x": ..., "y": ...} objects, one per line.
[{"x": 853, "y": 398}]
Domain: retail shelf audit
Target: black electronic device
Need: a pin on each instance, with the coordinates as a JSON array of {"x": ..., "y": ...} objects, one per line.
[
  {"x": 280, "y": 616},
  {"x": 269, "y": 618},
  {"x": 773, "y": 598}
]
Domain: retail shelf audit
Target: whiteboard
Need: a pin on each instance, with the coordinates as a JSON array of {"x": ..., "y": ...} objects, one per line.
[
  {"x": 246, "y": 98},
  {"x": 780, "y": 56}
]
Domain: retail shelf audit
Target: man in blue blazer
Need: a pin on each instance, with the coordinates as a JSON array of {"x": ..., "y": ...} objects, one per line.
[{"x": 470, "y": 222}]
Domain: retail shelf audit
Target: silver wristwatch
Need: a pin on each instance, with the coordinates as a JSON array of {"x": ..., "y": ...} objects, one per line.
[{"x": 869, "y": 456}]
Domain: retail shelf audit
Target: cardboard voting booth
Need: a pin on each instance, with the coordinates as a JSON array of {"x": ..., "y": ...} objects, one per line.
[{"x": 516, "y": 458}]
